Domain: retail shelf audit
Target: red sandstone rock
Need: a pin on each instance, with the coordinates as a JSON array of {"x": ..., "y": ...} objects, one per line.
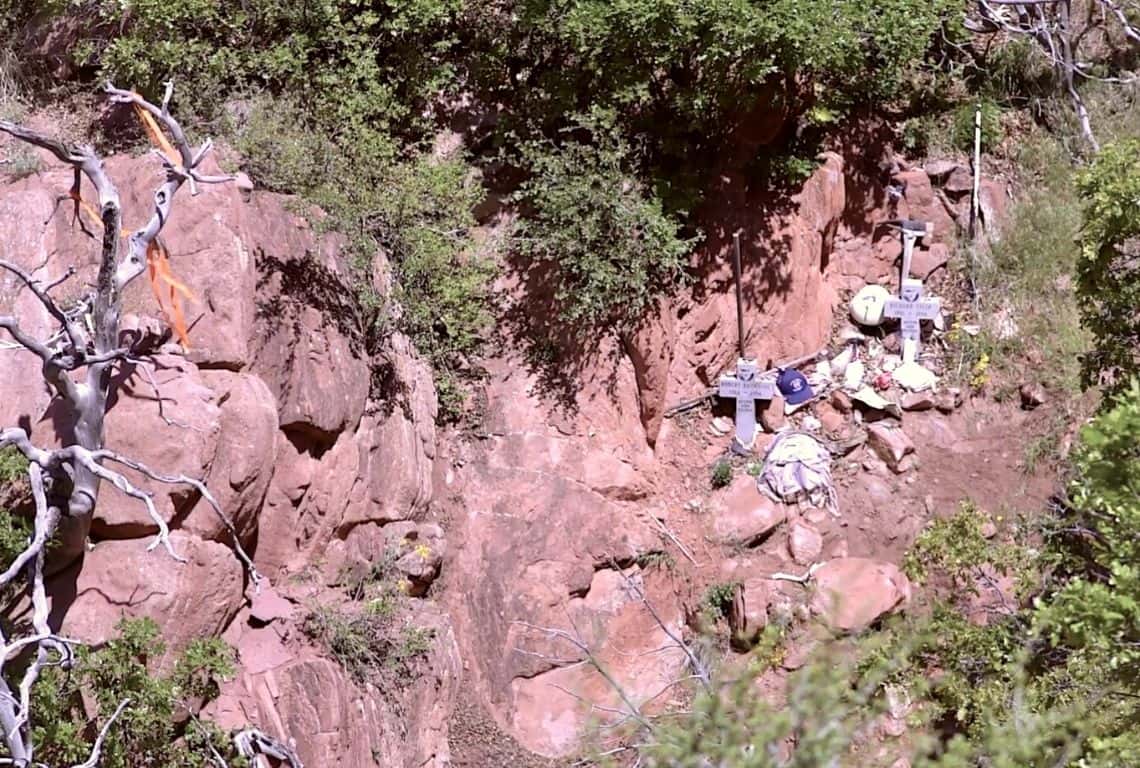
[
  {"x": 136, "y": 428},
  {"x": 188, "y": 600},
  {"x": 804, "y": 542},
  {"x": 744, "y": 515},
  {"x": 852, "y": 593},
  {"x": 889, "y": 442}
]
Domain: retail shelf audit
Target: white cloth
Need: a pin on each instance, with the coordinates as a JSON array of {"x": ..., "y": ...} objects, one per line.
[{"x": 798, "y": 467}]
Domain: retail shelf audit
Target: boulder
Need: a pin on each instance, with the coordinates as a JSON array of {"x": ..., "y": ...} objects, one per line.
[
  {"x": 927, "y": 260},
  {"x": 120, "y": 579},
  {"x": 830, "y": 418},
  {"x": 993, "y": 201},
  {"x": 841, "y": 401},
  {"x": 852, "y": 593},
  {"x": 744, "y": 515},
  {"x": 317, "y": 374},
  {"x": 422, "y": 557},
  {"x": 414, "y": 550},
  {"x": 211, "y": 239},
  {"x": 772, "y": 415},
  {"x": 889, "y": 442},
  {"x": 174, "y": 431},
  {"x": 948, "y": 401},
  {"x": 243, "y": 462},
  {"x": 547, "y": 714},
  {"x": 938, "y": 170},
  {"x": 280, "y": 540},
  {"x": 960, "y": 181},
  {"x": 918, "y": 401},
  {"x": 1032, "y": 395},
  {"x": 379, "y": 474},
  {"x": 749, "y": 612},
  {"x": 919, "y": 202},
  {"x": 268, "y": 606},
  {"x": 805, "y": 543},
  {"x": 397, "y": 448}
]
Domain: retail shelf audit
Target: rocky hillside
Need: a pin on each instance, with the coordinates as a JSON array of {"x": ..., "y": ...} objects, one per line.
[
  {"x": 457, "y": 314},
  {"x": 543, "y": 516}
]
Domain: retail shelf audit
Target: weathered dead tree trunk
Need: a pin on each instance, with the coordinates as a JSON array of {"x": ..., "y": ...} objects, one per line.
[
  {"x": 1051, "y": 25},
  {"x": 77, "y": 362}
]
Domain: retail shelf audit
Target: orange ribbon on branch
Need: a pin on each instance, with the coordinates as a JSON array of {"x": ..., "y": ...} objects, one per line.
[{"x": 162, "y": 279}]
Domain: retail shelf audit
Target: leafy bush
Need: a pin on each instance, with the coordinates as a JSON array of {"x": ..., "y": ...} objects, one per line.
[
  {"x": 721, "y": 474},
  {"x": 352, "y": 63},
  {"x": 609, "y": 243},
  {"x": 684, "y": 74},
  {"x": 1108, "y": 273},
  {"x": 718, "y": 598},
  {"x": 955, "y": 546},
  {"x": 963, "y": 126},
  {"x": 153, "y": 729},
  {"x": 280, "y": 148},
  {"x": 13, "y": 465},
  {"x": 369, "y": 636}
]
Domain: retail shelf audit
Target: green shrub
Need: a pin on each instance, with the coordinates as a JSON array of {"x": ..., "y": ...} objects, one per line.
[
  {"x": 1017, "y": 70},
  {"x": 280, "y": 148},
  {"x": 350, "y": 63},
  {"x": 370, "y": 636},
  {"x": 721, "y": 474},
  {"x": 718, "y": 598},
  {"x": 1108, "y": 273},
  {"x": 955, "y": 546},
  {"x": 963, "y": 126},
  {"x": 367, "y": 643},
  {"x": 13, "y": 465},
  {"x": 150, "y": 731},
  {"x": 609, "y": 244}
]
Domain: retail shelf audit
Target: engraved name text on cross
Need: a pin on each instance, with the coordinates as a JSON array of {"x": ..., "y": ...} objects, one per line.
[
  {"x": 747, "y": 389},
  {"x": 910, "y": 309}
]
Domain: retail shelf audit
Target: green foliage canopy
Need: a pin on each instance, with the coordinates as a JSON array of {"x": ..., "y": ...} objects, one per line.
[{"x": 1108, "y": 273}]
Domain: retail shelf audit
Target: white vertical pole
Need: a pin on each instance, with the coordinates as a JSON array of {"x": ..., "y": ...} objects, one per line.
[
  {"x": 974, "y": 204},
  {"x": 909, "y": 346},
  {"x": 908, "y": 253}
]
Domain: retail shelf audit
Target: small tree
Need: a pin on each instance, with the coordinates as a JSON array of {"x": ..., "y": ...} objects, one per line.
[{"x": 78, "y": 361}]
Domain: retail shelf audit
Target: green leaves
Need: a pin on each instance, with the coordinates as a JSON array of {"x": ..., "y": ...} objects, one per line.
[
  {"x": 611, "y": 246},
  {"x": 150, "y": 730},
  {"x": 1108, "y": 273}
]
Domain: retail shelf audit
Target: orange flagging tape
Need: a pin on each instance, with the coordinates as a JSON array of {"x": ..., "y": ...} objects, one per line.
[{"x": 162, "y": 279}]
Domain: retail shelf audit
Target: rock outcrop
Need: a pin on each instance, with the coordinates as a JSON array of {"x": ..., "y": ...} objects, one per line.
[
  {"x": 270, "y": 407},
  {"x": 550, "y": 507},
  {"x": 853, "y": 592}
]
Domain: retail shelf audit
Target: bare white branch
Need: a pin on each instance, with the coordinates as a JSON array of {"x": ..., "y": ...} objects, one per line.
[
  {"x": 97, "y": 748},
  {"x": 77, "y": 361}
]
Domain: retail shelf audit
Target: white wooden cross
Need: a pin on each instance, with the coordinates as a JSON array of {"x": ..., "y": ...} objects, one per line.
[
  {"x": 747, "y": 389},
  {"x": 909, "y": 307}
]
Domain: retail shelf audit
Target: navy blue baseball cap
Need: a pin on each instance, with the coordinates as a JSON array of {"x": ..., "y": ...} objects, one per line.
[{"x": 794, "y": 386}]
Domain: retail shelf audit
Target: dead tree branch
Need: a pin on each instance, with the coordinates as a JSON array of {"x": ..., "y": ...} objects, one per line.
[
  {"x": 700, "y": 669},
  {"x": 77, "y": 362},
  {"x": 1050, "y": 24},
  {"x": 632, "y": 711},
  {"x": 252, "y": 743}
]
